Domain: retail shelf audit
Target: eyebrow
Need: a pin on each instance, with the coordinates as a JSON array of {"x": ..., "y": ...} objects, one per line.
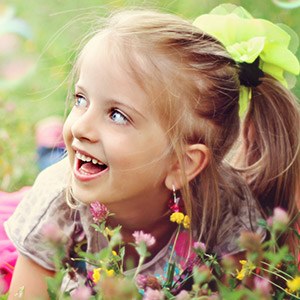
[{"x": 115, "y": 102}]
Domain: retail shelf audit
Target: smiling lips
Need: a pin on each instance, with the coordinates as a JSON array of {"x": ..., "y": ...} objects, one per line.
[{"x": 87, "y": 168}]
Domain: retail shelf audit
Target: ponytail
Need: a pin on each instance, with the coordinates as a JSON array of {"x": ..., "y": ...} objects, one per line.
[
  {"x": 271, "y": 125},
  {"x": 271, "y": 134}
]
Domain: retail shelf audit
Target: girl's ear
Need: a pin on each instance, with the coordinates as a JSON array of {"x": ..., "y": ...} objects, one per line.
[{"x": 196, "y": 158}]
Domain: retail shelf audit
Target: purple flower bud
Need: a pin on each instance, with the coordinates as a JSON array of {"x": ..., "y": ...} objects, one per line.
[
  {"x": 151, "y": 294},
  {"x": 262, "y": 285},
  {"x": 199, "y": 246},
  {"x": 147, "y": 238},
  {"x": 53, "y": 234},
  {"x": 280, "y": 216},
  {"x": 99, "y": 212},
  {"x": 81, "y": 293},
  {"x": 279, "y": 220},
  {"x": 141, "y": 281},
  {"x": 183, "y": 295}
]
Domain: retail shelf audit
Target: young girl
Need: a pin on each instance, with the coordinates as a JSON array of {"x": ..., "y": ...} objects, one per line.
[{"x": 156, "y": 114}]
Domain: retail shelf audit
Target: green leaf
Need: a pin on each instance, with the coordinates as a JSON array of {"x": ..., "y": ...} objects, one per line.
[
  {"x": 276, "y": 257},
  {"x": 238, "y": 294},
  {"x": 170, "y": 275},
  {"x": 289, "y": 258},
  {"x": 116, "y": 239},
  {"x": 141, "y": 249},
  {"x": 296, "y": 233},
  {"x": 168, "y": 294},
  {"x": 199, "y": 277},
  {"x": 89, "y": 256},
  {"x": 232, "y": 283},
  {"x": 104, "y": 254},
  {"x": 279, "y": 295},
  {"x": 54, "y": 284},
  {"x": 262, "y": 223},
  {"x": 96, "y": 227}
]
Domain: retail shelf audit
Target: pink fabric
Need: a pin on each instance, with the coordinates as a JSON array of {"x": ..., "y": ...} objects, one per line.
[
  {"x": 8, "y": 253},
  {"x": 49, "y": 133},
  {"x": 183, "y": 248}
]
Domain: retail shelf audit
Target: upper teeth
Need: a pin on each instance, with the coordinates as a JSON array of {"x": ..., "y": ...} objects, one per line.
[{"x": 87, "y": 158}]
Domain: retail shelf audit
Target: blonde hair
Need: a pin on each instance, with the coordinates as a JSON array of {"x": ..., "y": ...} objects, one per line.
[{"x": 194, "y": 87}]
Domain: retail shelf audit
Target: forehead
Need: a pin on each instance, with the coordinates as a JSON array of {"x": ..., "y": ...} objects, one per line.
[
  {"x": 107, "y": 48},
  {"x": 107, "y": 60}
]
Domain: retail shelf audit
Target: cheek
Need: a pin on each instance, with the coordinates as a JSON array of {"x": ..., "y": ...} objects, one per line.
[
  {"x": 140, "y": 157},
  {"x": 67, "y": 133}
]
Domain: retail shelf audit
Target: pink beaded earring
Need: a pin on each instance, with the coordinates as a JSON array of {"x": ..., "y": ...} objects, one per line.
[{"x": 174, "y": 205}]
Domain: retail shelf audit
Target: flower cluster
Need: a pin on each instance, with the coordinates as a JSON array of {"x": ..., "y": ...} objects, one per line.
[
  {"x": 181, "y": 219},
  {"x": 293, "y": 285},
  {"x": 141, "y": 237},
  {"x": 97, "y": 274},
  {"x": 266, "y": 264},
  {"x": 99, "y": 212},
  {"x": 247, "y": 268}
]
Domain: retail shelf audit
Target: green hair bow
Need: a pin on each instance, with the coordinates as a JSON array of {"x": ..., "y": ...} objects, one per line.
[{"x": 246, "y": 39}]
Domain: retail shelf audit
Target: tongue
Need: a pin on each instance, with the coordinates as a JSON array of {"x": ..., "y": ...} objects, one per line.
[{"x": 91, "y": 168}]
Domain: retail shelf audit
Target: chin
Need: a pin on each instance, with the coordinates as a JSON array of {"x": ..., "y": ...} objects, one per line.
[{"x": 83, "y": 195}]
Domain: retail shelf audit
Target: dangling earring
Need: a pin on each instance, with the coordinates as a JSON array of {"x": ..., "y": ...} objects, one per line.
[{"x": 174, "y": 207}]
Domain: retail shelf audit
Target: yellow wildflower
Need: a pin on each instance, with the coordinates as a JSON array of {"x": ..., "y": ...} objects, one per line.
[
  {"x": 110, "y": 273},
  {"x": 108, "y": 231},
  {"x": 96, "y": 275},
  {"x": 294, "y": 284},
  {"x": 247, "y": 268},
  {"x": 114, "y": 253},
  {"x": 186, "y": 222},
  {"x": 177, "y": 217},
  {"x": 241, "y": 274}
]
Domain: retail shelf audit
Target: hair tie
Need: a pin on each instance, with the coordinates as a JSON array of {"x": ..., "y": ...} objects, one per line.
[
  {"x": 250, "y": 74},
  {"x": 257, "y": 45}
]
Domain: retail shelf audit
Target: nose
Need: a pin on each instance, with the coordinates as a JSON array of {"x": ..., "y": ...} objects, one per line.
[{"x": 85, "y": 127}]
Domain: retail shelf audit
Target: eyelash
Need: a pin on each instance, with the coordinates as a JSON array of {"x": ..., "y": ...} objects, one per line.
[
  {"x": 76, "y": 100},
  {"x": 114, "y": 110},
  {"x": 111, "y": 111}
]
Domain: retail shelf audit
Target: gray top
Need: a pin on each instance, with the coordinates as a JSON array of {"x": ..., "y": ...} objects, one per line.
[{"x": 46, "y": 203}]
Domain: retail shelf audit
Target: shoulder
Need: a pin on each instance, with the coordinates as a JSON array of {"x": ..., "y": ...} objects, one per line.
[
  {"x": 44, "y": 203},
  {"x": 54, "y": 178},
  {"x": 243, "y": 215},
  {"x": 46, "y": 191}
]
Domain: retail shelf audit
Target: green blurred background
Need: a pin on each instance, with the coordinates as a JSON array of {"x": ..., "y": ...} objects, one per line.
[{"x": 34, "y": 67}]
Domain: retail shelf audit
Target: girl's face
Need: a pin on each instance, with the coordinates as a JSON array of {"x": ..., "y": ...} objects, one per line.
[{"x": 117, "y": 148}]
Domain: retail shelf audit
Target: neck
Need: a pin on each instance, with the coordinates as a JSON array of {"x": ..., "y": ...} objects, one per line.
[
  {"x": 147, "y": 212},
  {"x": 162, "y": 230},
  {"x": 153, "y": 219},
  {"x": 155, "y": 227}
]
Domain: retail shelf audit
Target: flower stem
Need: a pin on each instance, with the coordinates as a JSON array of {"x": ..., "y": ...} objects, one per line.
[
  {"x": 175, "y": 241},
  {"x": 276, "y": 269},
  {"x": 278, "y": 286},
  {"x": 274, "y": 273},
  {"x": 141, "y": 260}
]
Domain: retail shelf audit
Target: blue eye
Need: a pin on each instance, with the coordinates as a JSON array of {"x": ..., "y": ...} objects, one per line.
[
  {"x": 118, "y": 117},
  {"x": 80, "y": 101}
]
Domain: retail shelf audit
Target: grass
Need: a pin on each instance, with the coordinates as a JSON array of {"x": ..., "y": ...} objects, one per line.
[{"x": 58, "y": 27}]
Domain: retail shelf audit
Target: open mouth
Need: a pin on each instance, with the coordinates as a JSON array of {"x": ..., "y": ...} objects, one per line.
[{"x": 89, "y": 166}]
